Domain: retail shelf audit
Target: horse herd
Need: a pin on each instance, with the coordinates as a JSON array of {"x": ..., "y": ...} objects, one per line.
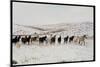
[{"x": 52, "y": 39}]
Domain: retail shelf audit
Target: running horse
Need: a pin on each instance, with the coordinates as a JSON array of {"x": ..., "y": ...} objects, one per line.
[{"x": 80, "y": 39}]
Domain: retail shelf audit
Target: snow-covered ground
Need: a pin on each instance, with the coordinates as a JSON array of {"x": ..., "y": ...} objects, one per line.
[
  {"x": 66, "y": 28},
  {"x": 36, "y": 53}
]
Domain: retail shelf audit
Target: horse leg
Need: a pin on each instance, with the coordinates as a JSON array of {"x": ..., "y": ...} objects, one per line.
[
  {"x": 28, "y": 42},
  {"x": 69, "y": 40},
  {"x": 80, "y": 42},
  {"x": 31, "y": 41},
  {"x": 64, "y": 42},
  {"x": 84, "y": 43},
  {"x": 39, "y": 41}
]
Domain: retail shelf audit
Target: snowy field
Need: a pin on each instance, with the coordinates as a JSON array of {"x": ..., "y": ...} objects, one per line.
[{"x": 36, "y": 53}]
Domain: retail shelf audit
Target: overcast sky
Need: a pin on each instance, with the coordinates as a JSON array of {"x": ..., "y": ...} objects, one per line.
[{"x": 43, "y": 14}]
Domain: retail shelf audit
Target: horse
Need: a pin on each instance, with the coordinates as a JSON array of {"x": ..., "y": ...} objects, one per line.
[
  {"x": 71, "y": 38},
  {"x": 33, "y": 39},
  {"x": 82, "y": 39},
  {"x": 66, "y": 39},
  {"x": 42, "y": 39},
  {"x": 16, "y": 39},
  {"x": 26, "y": 39},
  {"x": 23, "y": 39},
  {"x": 53, "y": 39},
  {"x": 59, "y": 39}
]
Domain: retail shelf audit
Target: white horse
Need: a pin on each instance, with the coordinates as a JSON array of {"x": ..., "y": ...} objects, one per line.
[{"x": 80, "y": 39}]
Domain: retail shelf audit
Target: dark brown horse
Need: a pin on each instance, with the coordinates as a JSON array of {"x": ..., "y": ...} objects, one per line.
[
  {"x": 71, "y": 38},
  {"x": 66, "y": 39},
  {"x": 59, "y": 39},
  {"x": 26, "y": 39},
  {"x": 16, "y": 39},
  {"x": 43, "y": 39},
  {"x": 53, "y": 39}
]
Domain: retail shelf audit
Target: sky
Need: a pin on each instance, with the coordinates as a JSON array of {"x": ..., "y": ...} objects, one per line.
[{"x": 44, "y": 14}]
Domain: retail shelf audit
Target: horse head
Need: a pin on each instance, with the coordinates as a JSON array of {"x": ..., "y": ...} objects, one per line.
[{"x": 85, "y": 36}]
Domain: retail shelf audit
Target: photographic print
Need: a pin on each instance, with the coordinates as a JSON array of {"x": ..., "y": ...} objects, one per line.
[{"x": 46, "y": 33}]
